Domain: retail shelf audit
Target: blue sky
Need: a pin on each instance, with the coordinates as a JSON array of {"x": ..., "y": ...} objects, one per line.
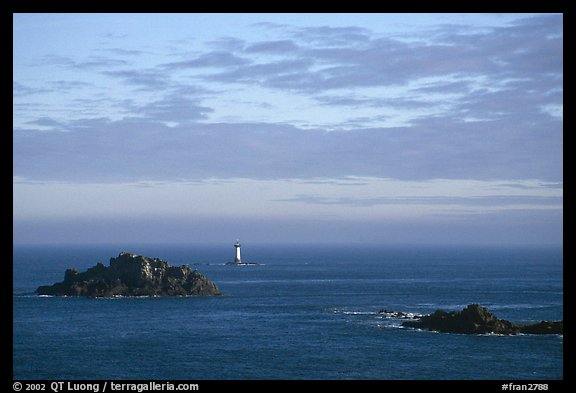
[{"x": 376, "y": 128}]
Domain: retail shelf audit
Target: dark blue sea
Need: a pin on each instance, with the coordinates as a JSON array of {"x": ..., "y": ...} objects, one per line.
[{"x": 306, "y": 312}]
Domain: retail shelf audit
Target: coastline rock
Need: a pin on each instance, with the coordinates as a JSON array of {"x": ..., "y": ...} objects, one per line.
[
  {"x": 132, "y": 275},
  {"x": 544, "y": 327},
  {"x": 475, "y": 319}
]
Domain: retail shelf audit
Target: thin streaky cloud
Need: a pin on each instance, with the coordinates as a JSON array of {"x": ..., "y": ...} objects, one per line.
[
  {"x": 481, "y": 201},
  {"x": 217, "y": 59}
]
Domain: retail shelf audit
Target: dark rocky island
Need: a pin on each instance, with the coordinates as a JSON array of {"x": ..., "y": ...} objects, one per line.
[
  {"x": 475, "y": 319},
  {"x": 132, "y": 275}
]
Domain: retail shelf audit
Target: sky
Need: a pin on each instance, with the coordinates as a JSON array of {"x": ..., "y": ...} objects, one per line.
[{"x": 296, "y": 128}]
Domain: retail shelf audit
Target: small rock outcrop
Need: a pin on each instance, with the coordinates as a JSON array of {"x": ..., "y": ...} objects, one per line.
[
  {"x": 132, "y": 275},
  {"x": 544, "y": 327},
  {"x": 475, "y": 319}
]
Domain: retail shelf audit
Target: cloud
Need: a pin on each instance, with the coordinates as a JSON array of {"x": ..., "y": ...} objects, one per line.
[
  {"x": 507, "y": 103},
  {"x": 280, "y": 46},
  {"x": 19, "y": 90},
  {"x": 352, "y": 57},
  {"x": 269, "y": 71},
  {"x": 211, "y": 59},
  {"x": 48, "y": 122},
  {"x": 125, "y": 52},
  {"x": 477, "y": 103},
  {"x": 145, "y": 79},
  {"x": 430, "y": 149},
  {"x": 393, "y": 102},
  {"x": 334, "y": 36},
  {"x": 321, "y": 59},
  {"x": 528, "y": 47},
  {"x": 533, "y": 186},
  {"x": 228, "y": 44},
  {"x": 459, "y": 87},
  {"x": 174, "y": 108},
  {"x": 494, "y": 201},
  {"x": 344, "y": 198},
  {"x": 271, "y": 25},
  {"x": 90, "y": 63},
  {"x": 114, "y": 36},
  {"x": 96, "y": 62},
  {"x": 489, "y": 73},
  {"x": 59, "y": 60},
  {"x": 344, "y": 181},
  {"x": 65, "y": 85}
]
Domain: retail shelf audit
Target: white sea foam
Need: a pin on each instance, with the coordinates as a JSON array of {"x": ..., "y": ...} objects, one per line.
[
  {"x": 398, "y": 315},
  {"x": 358, "y": 312},
  {"x": 393, "y": 325}
]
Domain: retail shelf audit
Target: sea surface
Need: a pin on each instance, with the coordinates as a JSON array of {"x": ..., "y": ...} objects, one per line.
[{"x": 306, "y": 312}]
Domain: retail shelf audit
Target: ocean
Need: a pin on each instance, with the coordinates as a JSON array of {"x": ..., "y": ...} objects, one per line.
[{"x": 305, "y": 312}]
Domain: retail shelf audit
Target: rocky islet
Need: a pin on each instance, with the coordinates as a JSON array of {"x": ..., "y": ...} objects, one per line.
[
  {"x": 133, "y": 275},
  {"x": 475, "y": 319}
]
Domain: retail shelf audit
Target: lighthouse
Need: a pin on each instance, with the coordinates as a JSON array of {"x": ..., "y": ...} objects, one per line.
[{"x": 237, "y": 258}]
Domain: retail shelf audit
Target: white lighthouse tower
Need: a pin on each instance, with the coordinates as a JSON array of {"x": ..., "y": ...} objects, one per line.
[{"x": 237, "y": 259}]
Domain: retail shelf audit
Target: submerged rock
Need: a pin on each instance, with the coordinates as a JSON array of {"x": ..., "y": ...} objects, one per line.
[
  {"x": 132, "y": 275},
  {"x": 475, "y": 319}
]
